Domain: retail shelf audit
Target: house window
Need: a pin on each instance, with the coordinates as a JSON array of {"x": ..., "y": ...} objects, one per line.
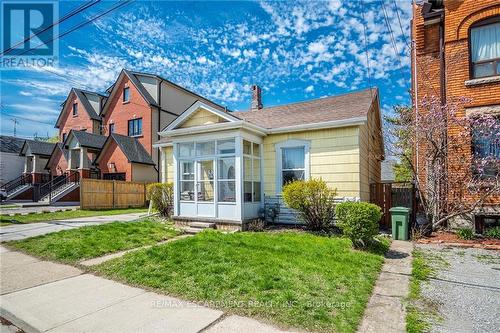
[
  {"x": 126, "y": 94},
  {"x": 111, "y": 128},
  {"x": 135, "y": 127},
  {"x": 292, "y": 162},
  {"x": 485, "y": 48},
  {"x": 75, "y": 109},
  {"x": 64, "y": 137},
  {"x": 251, "y": 172},
  {"x": 486, "y": 150}
]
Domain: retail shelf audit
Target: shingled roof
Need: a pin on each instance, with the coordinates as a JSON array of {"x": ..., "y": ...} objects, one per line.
[
  {"x": 88, "y": 140},
  {"x": 82, "y": 97},
  {"x": 341, "y": 107},
  {"x": 10, "y": 144},
  {"x": 131, "y": 147},
  {"x": 38, "y": 147}
]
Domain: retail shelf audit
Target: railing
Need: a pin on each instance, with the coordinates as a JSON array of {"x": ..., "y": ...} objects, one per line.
[
  {"x": 54, "y": 184},
  {"x": 10, "y": 186}
]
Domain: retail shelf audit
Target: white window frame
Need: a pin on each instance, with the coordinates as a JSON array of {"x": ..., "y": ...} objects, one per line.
[
  {"x": 252, "y": 158},
  {"x": 292, "y": 143}
]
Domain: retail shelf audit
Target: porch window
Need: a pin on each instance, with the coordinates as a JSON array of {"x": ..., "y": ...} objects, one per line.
[
  {"x": 206, "y": 181},
  {"x": 187, "y": 181},
  {"x": 226, "y": 179},
  {"x": 485, "y": 48},
  {"x": 251, "y": 172}
]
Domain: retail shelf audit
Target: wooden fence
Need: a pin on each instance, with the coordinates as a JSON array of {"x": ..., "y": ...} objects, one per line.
[
  {"x": 388, "y": 195},
  {"x": 108, "y": 194}
]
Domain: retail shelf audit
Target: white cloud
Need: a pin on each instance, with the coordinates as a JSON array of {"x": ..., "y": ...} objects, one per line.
[{"x": 309, "y": 89}]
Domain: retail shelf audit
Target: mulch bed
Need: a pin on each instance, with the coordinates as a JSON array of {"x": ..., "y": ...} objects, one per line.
[{"x": 451, "y": 239}]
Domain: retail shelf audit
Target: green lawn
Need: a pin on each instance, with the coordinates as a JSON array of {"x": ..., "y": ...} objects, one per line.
[
  {"x": 289, "y": 278},
  {"x": 66, "y": 215},
  {"x": 74, "y": 245}
]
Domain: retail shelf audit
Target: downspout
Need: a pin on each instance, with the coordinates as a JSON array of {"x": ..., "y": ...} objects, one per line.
[{"x": 158, "y": 154}]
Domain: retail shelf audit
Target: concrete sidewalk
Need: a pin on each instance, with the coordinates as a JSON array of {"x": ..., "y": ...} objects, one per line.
[
  {"x": 21, "y": 231},
  {"x": 39, "y": 296},
  {"x": 385, "y": 311}
]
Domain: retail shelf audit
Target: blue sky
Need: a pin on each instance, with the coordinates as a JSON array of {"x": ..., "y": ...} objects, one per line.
[{"x": 294, "y": 50}]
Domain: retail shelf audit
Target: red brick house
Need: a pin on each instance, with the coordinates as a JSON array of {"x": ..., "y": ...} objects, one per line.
[{"x": 457, "y": 54}]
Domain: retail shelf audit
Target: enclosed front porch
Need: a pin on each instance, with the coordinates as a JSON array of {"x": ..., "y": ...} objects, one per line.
[{"x": 218, "y": 179}]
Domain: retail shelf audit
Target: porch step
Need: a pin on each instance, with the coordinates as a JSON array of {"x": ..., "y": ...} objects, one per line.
[
  {"x": 201, "y": 225},
  {"x": 193, "y": 231}
]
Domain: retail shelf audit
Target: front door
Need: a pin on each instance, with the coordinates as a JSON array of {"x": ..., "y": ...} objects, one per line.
[{"x": 205, "y": 188}]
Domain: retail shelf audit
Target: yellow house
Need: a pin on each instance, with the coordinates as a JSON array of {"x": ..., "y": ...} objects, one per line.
[{"x": 224, "y": 165}]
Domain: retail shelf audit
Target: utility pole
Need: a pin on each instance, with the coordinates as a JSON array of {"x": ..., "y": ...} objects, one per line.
[{"x": 14, "y": 120}]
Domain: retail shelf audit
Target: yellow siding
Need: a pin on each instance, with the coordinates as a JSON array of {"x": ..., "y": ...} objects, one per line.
[
  {"x": 370, "y": 155},
  {"x": 202, "y": 117},
  {"x": 169, "y": 161},
  {"x": 334, "y": 157}
]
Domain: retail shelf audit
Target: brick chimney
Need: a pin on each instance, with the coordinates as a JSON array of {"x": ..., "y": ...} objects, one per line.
[{"x": 256, "y": 98}]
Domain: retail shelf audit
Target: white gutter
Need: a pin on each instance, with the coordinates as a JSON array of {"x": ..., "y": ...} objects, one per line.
[
  {"x": 163, "y": 144},
  {"x": 322, "y": 125}
]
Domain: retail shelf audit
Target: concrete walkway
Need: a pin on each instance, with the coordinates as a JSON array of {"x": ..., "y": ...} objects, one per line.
[
  {"x": 385, "y": 311},
  {"x": 39, "y": 296},
  {"x": 21, "y": 231},
  {"x": 37, "y": 209}
]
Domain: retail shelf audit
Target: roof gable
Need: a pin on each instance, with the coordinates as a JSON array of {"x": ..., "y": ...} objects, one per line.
[
  {"x": 131, "y": 148},
  {"x": 37, "y": 148},
  {"x": 84, "y": 139},
  {"x": 137, "y": 84},
  {"x": 81, "y": 96},
  {"x": 200, "y": 114}
]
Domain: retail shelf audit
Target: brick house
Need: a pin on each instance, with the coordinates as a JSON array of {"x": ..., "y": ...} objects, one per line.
[
  {"x": 457, "y": 54},
  {"x": 139, "y": 105}
]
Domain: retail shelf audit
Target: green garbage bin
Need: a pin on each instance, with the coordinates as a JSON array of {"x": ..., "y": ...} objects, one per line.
[{"x": 400, "y": 218}]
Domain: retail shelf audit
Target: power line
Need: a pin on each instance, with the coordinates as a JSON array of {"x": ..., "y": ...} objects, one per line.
[
  {"x": 410, "y": 48},
  {"x": 27, "y": 119},
  {"x": 393, "y": 41},
  {"x": 62, "y": 19},
  {"x": 366, "y": 50},
  {"x": 82, "y": 24}
]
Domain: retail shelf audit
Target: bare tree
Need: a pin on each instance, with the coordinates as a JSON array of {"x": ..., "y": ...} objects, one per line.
[{"x": 455, "y": 158}]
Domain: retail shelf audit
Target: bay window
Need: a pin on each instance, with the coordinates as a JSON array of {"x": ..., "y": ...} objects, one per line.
[{"x": 485, "y": 48}]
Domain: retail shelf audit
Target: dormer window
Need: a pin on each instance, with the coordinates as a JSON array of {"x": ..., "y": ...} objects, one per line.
[
  {"x": 126, "y": 94},
  {"x": 75, "y": 109},
  {"x": 485, "y": 48}
]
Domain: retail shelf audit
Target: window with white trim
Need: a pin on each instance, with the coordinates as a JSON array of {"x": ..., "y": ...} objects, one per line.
[
  {"x": 292, "y": 162},
  {"x": 251, "y": 172}
]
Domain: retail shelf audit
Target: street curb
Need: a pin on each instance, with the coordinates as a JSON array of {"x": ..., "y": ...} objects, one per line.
[{"x": 18, "y": 321}]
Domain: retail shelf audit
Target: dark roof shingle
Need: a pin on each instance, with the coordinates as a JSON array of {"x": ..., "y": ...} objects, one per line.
[
  {"x": 132, "y": 148},
  {"x": 341, "y": 107},
  {"x": 39, "y": 147},
  {"x": 10, "y": 144},
  {"x": 89, "y": 140}
]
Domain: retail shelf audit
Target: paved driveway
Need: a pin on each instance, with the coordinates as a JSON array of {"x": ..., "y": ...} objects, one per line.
[
  {"x": 465, "y": 289},
  {"x": 21, "y": 231}
]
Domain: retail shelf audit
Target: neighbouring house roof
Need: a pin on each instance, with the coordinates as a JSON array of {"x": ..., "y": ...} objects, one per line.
[
  {"x": 132, "y": 75},
  {"x": 10, "y": 144},
  {"x": 341, "y": 107},
  {"x": 86, "y": 139},
  {"x": 131, "y": 147},
  {"x": 37, "y": 147},
  {"x": 82, "y": 96},
  {"x": 387, "y": 171}
]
